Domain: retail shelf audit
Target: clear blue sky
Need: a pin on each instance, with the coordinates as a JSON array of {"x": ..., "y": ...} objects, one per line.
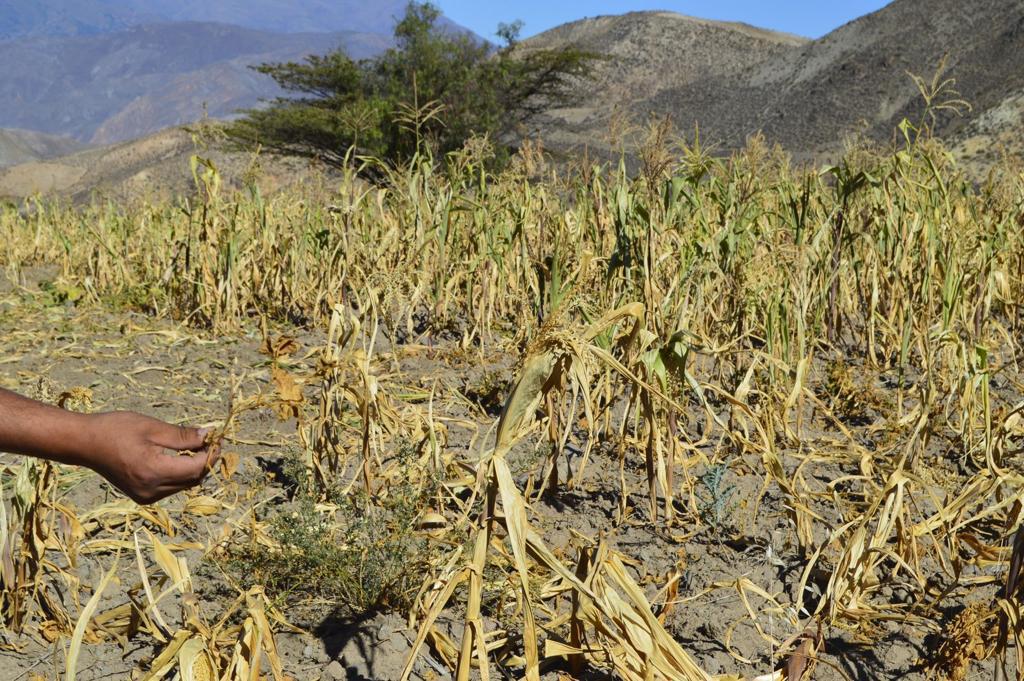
[{"x": 811, "y": 18}]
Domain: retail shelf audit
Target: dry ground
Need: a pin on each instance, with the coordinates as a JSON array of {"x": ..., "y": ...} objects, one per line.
[{"x": 129, "y": 361}]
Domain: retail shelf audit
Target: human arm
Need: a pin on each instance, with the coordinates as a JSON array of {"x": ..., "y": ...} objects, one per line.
[{"x": 128, "y": 449}]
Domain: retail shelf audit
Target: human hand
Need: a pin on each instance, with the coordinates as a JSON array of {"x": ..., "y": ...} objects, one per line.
[{"x": 131, "y": 451}]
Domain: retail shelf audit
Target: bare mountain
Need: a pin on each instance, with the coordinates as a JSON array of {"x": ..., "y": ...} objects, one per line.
[
  {"x": 858, "y": 75},
  {"x": 733, "y": 80},
  {"x": 645, "y": 54},
  {"x": 33, "y": 18},
  {"x": 30, "y": 18},
  {"x": 20, "y": 146},
  {"x": 280, "y": 15},
  {"x": 110, "y": 87}
]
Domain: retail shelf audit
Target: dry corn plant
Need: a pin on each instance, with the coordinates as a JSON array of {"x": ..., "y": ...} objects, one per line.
[
  {"x": 41, "y": 540},
  {"x": 610, "y": 623},
  {"x": 223, "y": 650},
  {"x": 36, "y": 525},
  {"x": 347, "y": 381},
  {"x": 193, "y": 648}
]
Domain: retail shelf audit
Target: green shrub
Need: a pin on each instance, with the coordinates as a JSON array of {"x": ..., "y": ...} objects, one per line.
[{"x": 364, "y": 556}]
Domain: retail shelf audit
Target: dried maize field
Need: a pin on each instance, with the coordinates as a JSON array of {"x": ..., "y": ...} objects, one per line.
[{"x": 719, "y": 418}]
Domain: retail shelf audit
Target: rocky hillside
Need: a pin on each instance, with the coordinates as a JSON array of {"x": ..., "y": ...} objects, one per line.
[
  {"x": 733, "y": 81},
  {"x": 647, "y": 54},
  {"x": 20, "y": 146},
  {"x": 997, "y": 133}
]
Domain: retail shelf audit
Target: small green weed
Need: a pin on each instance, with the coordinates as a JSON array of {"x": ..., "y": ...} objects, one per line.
[
  {"x": 358, "y": 554},
  {"x": 714, "y": 503},
  {"x": 61, "y": 292}
]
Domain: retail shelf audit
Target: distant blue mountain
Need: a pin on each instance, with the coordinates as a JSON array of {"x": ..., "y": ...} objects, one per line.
[
  {"x": 33, "y": 18},
  {"x": 108, "y": 87}
]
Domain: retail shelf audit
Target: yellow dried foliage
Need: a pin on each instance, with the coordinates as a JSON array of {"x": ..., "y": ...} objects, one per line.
[
  {"x": 970, "y": 637},
  {"x": 848, "y": 340}
]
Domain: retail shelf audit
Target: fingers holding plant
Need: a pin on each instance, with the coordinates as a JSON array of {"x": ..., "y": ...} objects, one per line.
[{"x": 148, "y": 459}]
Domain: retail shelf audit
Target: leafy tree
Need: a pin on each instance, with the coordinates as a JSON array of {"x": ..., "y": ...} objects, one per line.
[{"x": 435, "y": 89}]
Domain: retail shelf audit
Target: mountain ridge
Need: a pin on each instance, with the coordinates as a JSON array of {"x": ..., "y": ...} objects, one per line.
[
  {"x": 811, "y": 97},
  {"x": 36, "y": 18}
]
